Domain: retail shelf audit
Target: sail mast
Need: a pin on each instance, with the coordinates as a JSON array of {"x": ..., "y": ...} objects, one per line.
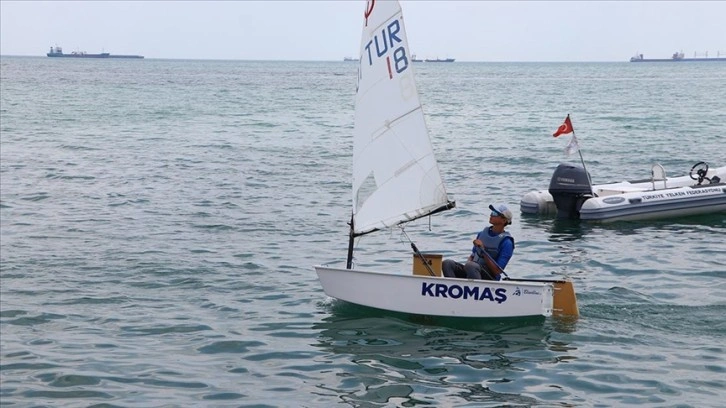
[{"x": 351, "y": 238}]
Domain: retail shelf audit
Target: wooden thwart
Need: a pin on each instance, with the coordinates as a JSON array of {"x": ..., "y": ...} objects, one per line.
[{"x": 433, "y": 260}]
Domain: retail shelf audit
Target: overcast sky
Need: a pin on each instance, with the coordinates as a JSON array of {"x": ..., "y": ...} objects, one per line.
[{"x": 330, "y": 30}]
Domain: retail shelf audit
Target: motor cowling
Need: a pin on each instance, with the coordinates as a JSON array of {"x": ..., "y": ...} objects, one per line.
[{"x": 569, "y": 188}]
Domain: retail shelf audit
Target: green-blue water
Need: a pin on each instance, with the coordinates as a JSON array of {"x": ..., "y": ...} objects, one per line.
[{"x": 160, "y": 219}]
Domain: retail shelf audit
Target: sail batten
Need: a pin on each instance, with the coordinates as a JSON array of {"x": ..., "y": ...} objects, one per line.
[
  {"x": 395, "y": 174},
  {"x": 392, "y": 122}
]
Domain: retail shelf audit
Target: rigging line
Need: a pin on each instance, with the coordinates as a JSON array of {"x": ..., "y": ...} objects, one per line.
[
  {"x": 418, "y": 253},
  {"x": 495, "y": 264}
]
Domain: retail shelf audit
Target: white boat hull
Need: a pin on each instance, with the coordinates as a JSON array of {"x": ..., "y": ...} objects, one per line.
[
  {"x": 438, "y": 296},
  {"x": 643, "y": 200},
  {"x": 659, "y": 204}
]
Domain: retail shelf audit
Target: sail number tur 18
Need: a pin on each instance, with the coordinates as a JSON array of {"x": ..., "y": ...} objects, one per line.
[{"x": 384, "y": 44}]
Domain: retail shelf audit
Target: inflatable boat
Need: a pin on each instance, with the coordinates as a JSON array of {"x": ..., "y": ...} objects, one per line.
[{"x": 570, "y": 196}]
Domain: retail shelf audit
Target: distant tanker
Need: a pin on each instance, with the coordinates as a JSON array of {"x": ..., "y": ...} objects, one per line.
[
  {"x": 676, "y": 57},
  {"x": 57, "y": 52}
]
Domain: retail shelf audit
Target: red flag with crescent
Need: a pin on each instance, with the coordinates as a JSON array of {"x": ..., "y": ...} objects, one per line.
[{"x": 565, "y": 128}]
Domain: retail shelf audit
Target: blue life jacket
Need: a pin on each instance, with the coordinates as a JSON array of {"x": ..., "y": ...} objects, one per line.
[{"x": 491, "y": 245}]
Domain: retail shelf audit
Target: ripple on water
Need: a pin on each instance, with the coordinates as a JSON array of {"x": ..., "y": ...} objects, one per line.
[{"x": 157, "y": 248}]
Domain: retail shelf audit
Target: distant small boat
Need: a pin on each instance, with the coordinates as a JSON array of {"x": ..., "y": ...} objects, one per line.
[
  {"x": 350, "y": 59},
  {"x": 440, "y": 60},
  {"x": 57, "y": 52},
  {"x": 677, "y": 57}
]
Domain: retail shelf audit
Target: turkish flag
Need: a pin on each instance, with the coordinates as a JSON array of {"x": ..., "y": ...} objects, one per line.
[{"x": 565, "y": 128}]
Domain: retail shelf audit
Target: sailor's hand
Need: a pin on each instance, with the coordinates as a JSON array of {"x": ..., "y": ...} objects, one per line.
[{"x": 478, "y": 243}]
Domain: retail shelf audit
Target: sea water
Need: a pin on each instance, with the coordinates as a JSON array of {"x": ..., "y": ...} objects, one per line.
[{"x": 160, "y": 220}]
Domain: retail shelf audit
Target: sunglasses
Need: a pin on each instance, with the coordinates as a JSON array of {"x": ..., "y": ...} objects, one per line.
[{"x": 495, "y": 214}]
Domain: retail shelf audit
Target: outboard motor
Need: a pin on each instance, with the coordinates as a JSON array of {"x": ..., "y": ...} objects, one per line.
[{"x": 569, "y": 188}]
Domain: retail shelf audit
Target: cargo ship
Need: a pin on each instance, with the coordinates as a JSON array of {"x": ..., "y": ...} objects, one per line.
[
  {"x": 440, "y": 60},
  {"x": 677, "y": 57},
  {"x": 431, "y": 59},
  {"x": 58, "y": 53}
]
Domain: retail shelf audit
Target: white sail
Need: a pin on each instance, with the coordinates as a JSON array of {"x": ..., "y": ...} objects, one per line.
[{"x": 395, "y": 174}]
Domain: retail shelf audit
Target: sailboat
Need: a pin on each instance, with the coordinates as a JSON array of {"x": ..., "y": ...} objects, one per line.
[{"x": 396, "y": 179}]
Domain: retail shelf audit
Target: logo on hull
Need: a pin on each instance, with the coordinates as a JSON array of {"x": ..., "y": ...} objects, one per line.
[{"x": 498, "y": 295}]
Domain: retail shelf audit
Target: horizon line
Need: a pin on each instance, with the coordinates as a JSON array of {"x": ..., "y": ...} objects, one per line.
[{"x": 321, "y": 60}]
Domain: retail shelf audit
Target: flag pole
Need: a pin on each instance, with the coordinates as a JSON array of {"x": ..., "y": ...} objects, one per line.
[
  {"x": 568, "y": 128},
  {"x": 579, "y": 151}
]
